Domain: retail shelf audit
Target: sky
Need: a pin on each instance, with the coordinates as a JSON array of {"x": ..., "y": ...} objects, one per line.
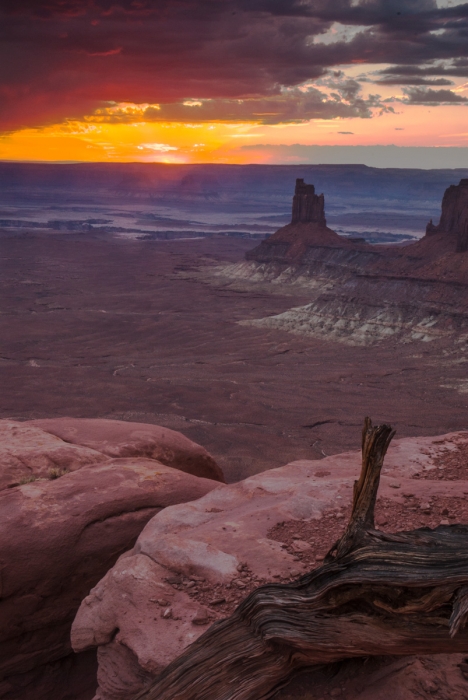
[{"x": 234, "y": 81}]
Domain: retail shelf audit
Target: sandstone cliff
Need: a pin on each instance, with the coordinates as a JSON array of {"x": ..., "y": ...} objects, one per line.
[
  {"x": 361, "y": 293},
  {"x": 454, "y": 217},
  {"x": 307, "y": 206},
  {"x": 308, "y": 228}
]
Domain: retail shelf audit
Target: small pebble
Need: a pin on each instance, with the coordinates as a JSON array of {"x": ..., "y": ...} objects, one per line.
[
  {"x": 300, "y": 546},
  {"x": 201, "y": 618}
]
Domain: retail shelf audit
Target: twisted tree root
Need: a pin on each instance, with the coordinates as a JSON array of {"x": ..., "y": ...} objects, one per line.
[{"x": 376, "y": 594}]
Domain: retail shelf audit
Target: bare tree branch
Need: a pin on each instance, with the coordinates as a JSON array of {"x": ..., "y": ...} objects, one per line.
[{"x": 376, "y": 594}]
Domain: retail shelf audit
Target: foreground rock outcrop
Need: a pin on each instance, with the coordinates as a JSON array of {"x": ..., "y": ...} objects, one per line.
[
  {"x": 362, "y": 294},
  {"x": 75, "y": 512},
  {"x": 28, "y": 453},
  {"x": 194, "y": 563},
  {"x": 118, "y": 438}
]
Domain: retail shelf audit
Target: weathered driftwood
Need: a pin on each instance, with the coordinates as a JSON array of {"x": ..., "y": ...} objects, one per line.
[{"x": 376, "y": 594}]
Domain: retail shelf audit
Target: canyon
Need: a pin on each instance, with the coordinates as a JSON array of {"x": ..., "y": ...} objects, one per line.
[
  {"x": 122, "y": 355},
  {"x": 363, "y": 294},
  {"x": 143, "y": 331}
]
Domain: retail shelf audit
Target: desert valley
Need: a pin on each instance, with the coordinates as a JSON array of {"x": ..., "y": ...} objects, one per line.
[
  {"x": 262, "y": 360},
  {"x": 233, "y": 350},
  {"x": 142, "y": 369}
]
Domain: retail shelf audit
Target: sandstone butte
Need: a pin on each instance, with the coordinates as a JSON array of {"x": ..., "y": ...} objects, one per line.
[
  {"x": 361, "y": 293},
  {"x": 67, "y": 512},
  {"x": 193, "y": 563}
]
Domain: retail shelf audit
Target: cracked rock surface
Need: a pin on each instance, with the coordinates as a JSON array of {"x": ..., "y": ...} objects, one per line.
[
  {"x": 68, "y": 512},
  {"x": 193, "y": 563}
]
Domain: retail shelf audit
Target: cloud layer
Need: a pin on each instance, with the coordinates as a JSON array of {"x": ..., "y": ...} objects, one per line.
[{"x": 63, "y": 59}]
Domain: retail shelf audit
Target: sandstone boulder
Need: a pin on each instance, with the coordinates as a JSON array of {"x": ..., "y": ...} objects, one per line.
[
  {"x": 58, "y": 538},
  {"x": 116, "y": 438},
  {"x": 27, "y": 452},
  {"x": 193, "y": 563}
]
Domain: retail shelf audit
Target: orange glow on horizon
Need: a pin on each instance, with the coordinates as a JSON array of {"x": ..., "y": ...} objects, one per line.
[{"x": 221, "y": 142}]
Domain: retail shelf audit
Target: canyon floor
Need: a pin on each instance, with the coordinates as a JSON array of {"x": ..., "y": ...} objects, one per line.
[{"x": 101, "y": 326}]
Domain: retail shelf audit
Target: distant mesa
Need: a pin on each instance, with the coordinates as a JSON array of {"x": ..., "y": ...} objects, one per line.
[{"x": 454, "y": 217}]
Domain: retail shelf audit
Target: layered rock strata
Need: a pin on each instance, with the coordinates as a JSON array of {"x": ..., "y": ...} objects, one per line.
[
  {"x": 193, "y": 563},
  {"x": 362, "y": 294},
  {"x": 118, "y": 438},
  {"x": 27, "y": 452}
]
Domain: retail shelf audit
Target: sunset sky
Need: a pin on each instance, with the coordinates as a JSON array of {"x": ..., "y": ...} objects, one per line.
[{"x": 231, "y": 81}]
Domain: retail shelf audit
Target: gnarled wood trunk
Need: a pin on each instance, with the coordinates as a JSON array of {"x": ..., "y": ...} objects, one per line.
[{"x": 376, "y": 594}]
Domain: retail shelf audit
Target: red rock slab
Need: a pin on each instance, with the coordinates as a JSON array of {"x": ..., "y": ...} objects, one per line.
[
  {"x": 195, "y": 562},
  {"x": 58, "y": 538},
  {"x": 117, "y": 438},
  {"x": 27, "y": 452},
  {"x": 441, "y": 677}
]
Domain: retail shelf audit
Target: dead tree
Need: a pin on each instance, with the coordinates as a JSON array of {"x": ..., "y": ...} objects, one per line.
[{"x": 376, "y": 594}]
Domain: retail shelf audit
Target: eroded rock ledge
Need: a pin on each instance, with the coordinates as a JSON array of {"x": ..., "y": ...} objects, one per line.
[
  {"x": 194, "y": 563},
  {"x": 74, "y": 495},
  {"x": 360, "y": 293}
]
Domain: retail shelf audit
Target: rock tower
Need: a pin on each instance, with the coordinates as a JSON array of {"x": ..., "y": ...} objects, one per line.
[
  {"x": 307, "y": 206},
  {"x": 454, "y": 217}
]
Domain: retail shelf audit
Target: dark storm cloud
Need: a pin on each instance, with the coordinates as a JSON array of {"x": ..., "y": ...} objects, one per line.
[
  {"x": 423, "y": 96},
  {"x": 423, "y": 75},
  {"x": 64, "y": 58},
  {"x": 415, "y": 81}
]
